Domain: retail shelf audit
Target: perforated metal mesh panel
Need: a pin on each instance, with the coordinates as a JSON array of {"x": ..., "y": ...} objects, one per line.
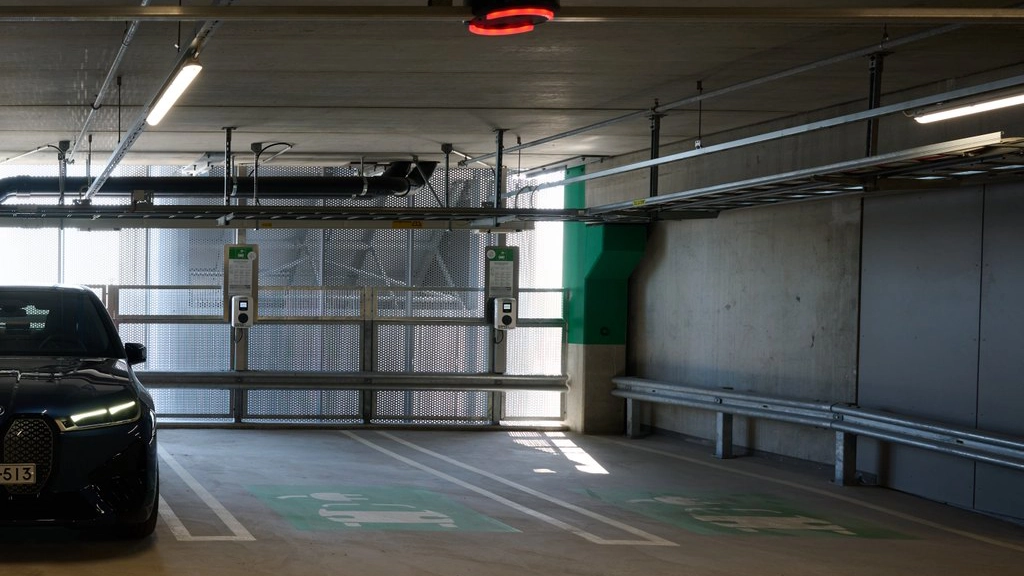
[
  {"x": 431, "y": 406},
  {"x": 438, "y": 303},
  {"x": 133, "y": 253},
  {"x": 36, "y": 261},
  {"x": 303, "y": 405},
  {"x": 432, "y": 348},
  {"x": 534, "y": 351},
  {"x": 309, "y": 302},
  {"x": 190, "y": 401},
  {"x": 92, "y": 257},
  {"x": 288, "y": 257},
  {"x": 181, "y": 347},
  {"x": 533, "y": 406},
  {"x": 157, "y": 301},
  {"x": 541, "y": 305},
  {"x": 443, "y": 268},
  {"x": 305, "y": 347}
]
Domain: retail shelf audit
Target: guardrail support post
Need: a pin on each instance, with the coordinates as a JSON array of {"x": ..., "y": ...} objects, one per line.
[
  {"x": 633, "y": 429},
  {"x": 723, "y": 435},
  {"x": 846, "y": 459}
]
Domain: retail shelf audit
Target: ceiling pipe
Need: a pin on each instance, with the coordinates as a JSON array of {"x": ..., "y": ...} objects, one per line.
[
  {"x": 107, "y": 82},
  {"x": 398, "y": 180}
]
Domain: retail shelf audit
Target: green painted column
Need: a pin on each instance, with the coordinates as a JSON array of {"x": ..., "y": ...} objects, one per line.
[
  {"x": 599, "y": 259},
  {"x": 598, "y": 262}
]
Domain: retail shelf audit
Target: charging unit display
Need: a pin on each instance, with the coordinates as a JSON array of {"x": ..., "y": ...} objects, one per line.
[
  {"x": 243, "y": 313},
  {"x": 505, "y": 313}
]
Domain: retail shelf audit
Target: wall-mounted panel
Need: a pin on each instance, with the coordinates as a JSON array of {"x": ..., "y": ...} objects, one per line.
[
  {"x": 920, "y": 296},
  {"x": 1001, "y": 369}
]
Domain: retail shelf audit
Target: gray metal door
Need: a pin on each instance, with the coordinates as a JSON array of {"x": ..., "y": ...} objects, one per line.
[
  {"x": 920, "y": 298},
  {"x": 1001, "y": 369}
]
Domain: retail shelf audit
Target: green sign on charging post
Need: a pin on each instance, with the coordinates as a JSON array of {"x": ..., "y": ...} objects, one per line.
[{"x": 241, "y": 274}]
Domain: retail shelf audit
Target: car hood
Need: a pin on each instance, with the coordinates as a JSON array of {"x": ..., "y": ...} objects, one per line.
[{"x": 61, "y": 386}]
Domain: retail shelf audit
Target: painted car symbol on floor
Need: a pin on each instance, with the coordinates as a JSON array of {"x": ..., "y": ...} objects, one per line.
[{"x": 384, "y": 514}]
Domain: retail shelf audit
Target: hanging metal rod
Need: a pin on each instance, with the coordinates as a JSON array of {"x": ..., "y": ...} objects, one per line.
[
  {"x": 802, "y": 129},
  {"x": 758, "y": 15},
  {"x": 126, "y": 41},
  {"x": 810, "y": 67},
  {"x": 139, "y": 125}
]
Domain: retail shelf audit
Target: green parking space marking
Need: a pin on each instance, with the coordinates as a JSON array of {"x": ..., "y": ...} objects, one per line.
[
  {"x": 738, "y": 514},
  {"x": 372, "y": 508}
]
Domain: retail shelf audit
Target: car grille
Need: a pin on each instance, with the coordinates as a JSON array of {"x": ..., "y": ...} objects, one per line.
[{"x": 29, "y": 441}]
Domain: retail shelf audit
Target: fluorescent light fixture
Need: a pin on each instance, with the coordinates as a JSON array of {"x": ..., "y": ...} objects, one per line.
[
  {"x": 174, "y": 90},
  {"x": 969, "y": 109}
]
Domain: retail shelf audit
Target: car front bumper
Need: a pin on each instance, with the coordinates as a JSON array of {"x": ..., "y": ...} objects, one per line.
[{"x": 96, "y": 477}]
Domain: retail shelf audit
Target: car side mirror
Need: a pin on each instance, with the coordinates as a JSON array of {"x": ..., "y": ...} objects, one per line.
[{"x": 136, "y": 353}]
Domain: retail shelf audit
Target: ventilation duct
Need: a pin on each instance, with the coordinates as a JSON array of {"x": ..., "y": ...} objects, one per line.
[{"x": 399, "y": 179}]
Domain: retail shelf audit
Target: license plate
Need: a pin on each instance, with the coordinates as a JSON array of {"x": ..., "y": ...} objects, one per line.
[{"x": 17, "y": 474}]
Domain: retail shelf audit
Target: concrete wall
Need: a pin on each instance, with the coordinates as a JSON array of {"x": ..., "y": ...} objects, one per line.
[
  {"x": 759, "y": 300},
  {"x": 764, "y": 299}
]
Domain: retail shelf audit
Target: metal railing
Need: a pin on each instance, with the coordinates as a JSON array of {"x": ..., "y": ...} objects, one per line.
[
  {"x": 365, "y": 313},
  {"x": 845, "y": 420}
]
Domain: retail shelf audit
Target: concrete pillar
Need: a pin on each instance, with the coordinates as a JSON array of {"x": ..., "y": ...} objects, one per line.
[{"x": 590, "y": 406}]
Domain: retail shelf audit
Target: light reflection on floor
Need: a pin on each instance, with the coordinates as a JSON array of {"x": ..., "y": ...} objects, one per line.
[{"x": 556, "y": 443}]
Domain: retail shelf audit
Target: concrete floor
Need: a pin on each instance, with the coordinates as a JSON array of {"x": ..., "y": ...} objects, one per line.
[{"x": 244, "y": 502}]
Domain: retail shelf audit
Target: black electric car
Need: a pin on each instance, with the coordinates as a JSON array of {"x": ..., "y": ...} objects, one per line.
[{"x": 77, "y": 429}]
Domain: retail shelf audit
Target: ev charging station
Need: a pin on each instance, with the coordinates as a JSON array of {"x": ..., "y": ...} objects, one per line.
[
  {"x": 505, "y": 313},
  {"x": 501, "y": 287},
  {"x": 242, "y": 311},
  {"x": 241, "y": 277}
]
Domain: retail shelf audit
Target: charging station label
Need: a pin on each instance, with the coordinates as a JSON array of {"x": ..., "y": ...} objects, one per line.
[
  {"x": 501, "y": 271},
  {"x": 240, "y": 269}
]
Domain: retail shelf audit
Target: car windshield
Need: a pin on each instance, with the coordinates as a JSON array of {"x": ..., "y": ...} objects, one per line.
[{"x": 54, "y": 322}]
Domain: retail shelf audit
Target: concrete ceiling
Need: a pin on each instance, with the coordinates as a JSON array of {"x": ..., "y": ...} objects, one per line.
[{"x": 400, "y": 78}]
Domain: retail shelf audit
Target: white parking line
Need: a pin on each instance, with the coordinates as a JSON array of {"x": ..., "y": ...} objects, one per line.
[
  {"x": 240, "y": 534},
  {"x": 820, "y": 492},
  {"x": 648, "y": 539}
]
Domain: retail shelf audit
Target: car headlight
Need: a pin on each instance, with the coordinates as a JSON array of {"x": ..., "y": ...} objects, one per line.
[{"x": 112, "y": 415}]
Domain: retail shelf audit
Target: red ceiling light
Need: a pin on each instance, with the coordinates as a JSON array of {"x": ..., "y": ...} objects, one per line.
[{"x": 507, "y": 17}]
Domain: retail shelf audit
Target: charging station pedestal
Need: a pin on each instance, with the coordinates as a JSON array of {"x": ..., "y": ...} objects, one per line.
[{"x": 241, "y": 286}]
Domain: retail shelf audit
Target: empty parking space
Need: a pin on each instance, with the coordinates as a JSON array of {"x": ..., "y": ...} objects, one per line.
[{"x": 410, "y": 502}]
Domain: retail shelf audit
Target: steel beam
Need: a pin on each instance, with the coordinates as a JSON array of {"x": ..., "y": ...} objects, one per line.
[
  {"x": 353, "y": 381},
  {"x": 689, "y": 15},
  {"x": 802, "y": 129}
]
